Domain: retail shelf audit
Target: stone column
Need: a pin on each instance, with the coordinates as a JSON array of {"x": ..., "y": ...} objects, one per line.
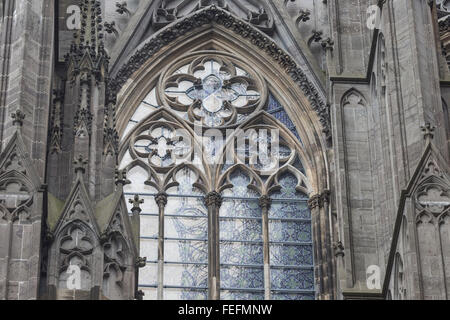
[
  {"x": 161, "y": 201},
  {"x": 265, "y": 203},
  {"x": 135, "y": 210},
  {"x": 213, "y": 201},
  {"x": 314, "y": 206},
  {"x": 323, "y": 260}
]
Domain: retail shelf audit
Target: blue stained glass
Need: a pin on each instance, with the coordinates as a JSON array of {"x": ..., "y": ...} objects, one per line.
[
  {"x": 291, "y": 255},
  {"x": 241, "y": 253},
  {"x": 293, "y": 231},
  {"x": 242, "y": 277},
  {"x": 292, "y": 296},
  {"x": 241, "y": 245},
  {"x": 185, "y": 294},
  {"x": 239, "y": 295},
  {"x": 289, "y": 210},
  {"x": 277, "y": 110},
  {"x": 292, "y": 279},
  {"x": 186, "y": 249},
  {"x": 241, "y": 230}
]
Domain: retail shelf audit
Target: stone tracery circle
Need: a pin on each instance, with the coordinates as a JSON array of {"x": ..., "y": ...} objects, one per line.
[{"x": 214, "y": 89}]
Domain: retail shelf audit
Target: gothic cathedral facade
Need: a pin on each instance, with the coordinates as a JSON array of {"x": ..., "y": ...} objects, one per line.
[{"x": 224, "y": 149}]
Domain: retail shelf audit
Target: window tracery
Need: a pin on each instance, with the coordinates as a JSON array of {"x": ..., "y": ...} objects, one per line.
[{"x": 241, "y": 225}]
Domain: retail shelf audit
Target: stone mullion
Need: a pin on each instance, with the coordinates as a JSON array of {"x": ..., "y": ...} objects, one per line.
[
  {"x": 265, "y": 203},
  {"x": 323, "y": 260},
  {"x": 7, "y": 259},
  {"x": 314, "y": 205},
  {"x": 161, "y": 200},
  {"x": 326, "y": 249},
  {"x": 213, "y": 201}
]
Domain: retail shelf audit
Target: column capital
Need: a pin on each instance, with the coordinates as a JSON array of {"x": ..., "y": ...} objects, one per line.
[
  {"x": 319, "y": 200},
  {"x": 265, "y": 202},
  {"x": 314, "y": 202},
  {"x": 213, "y": 198},
  {"x": 161, "y": 199}
]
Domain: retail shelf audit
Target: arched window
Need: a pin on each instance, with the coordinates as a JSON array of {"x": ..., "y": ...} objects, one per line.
[{"x": 217, "y": 161}]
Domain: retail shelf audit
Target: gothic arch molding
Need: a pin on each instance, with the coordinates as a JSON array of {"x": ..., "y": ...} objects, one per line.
[{"x": 298, "y": 96}]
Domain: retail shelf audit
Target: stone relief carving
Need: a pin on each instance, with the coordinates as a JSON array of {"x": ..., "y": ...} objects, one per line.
[
  {"x": 251, "y": 11},
  {"x": 76, "y": 247}
]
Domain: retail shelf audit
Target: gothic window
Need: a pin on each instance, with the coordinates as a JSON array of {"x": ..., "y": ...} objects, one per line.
[{"x": 221, "y": 217}]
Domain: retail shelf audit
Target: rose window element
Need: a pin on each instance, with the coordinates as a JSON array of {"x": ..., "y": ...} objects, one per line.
[
  {"x": 160, "y": 145},
  {"x": 213, "y": 90}
]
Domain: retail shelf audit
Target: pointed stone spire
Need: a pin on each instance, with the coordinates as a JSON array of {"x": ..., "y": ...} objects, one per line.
[{"x": 89, "y": 41}]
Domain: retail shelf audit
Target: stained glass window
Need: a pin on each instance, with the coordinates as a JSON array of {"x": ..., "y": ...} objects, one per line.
[
  {"x": 290, "y": 236},
  {"x": 241, "y": 242},
  {"x": 177, "y": 232}
]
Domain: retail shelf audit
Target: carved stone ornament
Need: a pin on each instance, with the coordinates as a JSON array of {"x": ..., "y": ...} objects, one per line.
[
  {"x": 217, "y": 15},
  {"x": 215, "y": 89}
]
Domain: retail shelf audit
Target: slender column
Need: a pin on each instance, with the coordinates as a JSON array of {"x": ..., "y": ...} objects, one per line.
[
  {"x": 326, "y": 245},
  {"x": 265, "y": 202},
  {"x": 213, "y": 201},
  {"x": 121, "y": 180},
  {"x": 314, "y": 206},
  {"x": 161, "y": 201}
]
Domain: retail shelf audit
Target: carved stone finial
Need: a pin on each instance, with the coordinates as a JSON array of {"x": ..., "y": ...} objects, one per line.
[
  {"x": 80, "y": 164},
  {"x": 18, "y": 118},
  {"x": 121, "y": 178},
  {"x": 428, "y": 131},
  {"x": 141, "y": 262},
  {"x": 122, "y": 8},
  {"x": 136, "y": 202},
  {"x": 213, "y": 199},
  {"x": 338, "y": 249},
  {"x": 265, "y": 202},
  {"x": 161, "y": 199}
]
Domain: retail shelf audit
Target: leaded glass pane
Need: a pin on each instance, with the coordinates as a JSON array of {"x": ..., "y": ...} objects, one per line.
[
  {"x": 292, "y": 279},
  {"x": 186, "y": 275},
  {"x": 241, "y": 295},
  {"x": 241, "y": 245},
  {"x": 186, "y": 246},
  {"x": 242, "y": 277},
  {"x": 290, "y": 231},
  {"x": 149, "y": 293},
  {"x": 185, "y": 294},
  {"x": 293, "y": 296},
  {"x": 149, "y": 274},
  {"x": 291, "y": 255}
]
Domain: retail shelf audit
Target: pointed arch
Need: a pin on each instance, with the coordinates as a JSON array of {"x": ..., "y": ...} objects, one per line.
[
  {"x": 301, "y": 101},
  {"x": 265, "y": 68}
]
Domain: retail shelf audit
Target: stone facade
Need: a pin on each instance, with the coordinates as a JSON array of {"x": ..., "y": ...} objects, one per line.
[{"x": 366, "y": 84}]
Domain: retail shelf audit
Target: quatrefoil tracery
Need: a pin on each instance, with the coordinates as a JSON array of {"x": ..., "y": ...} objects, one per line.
[{"x": 213, "y": 90}]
